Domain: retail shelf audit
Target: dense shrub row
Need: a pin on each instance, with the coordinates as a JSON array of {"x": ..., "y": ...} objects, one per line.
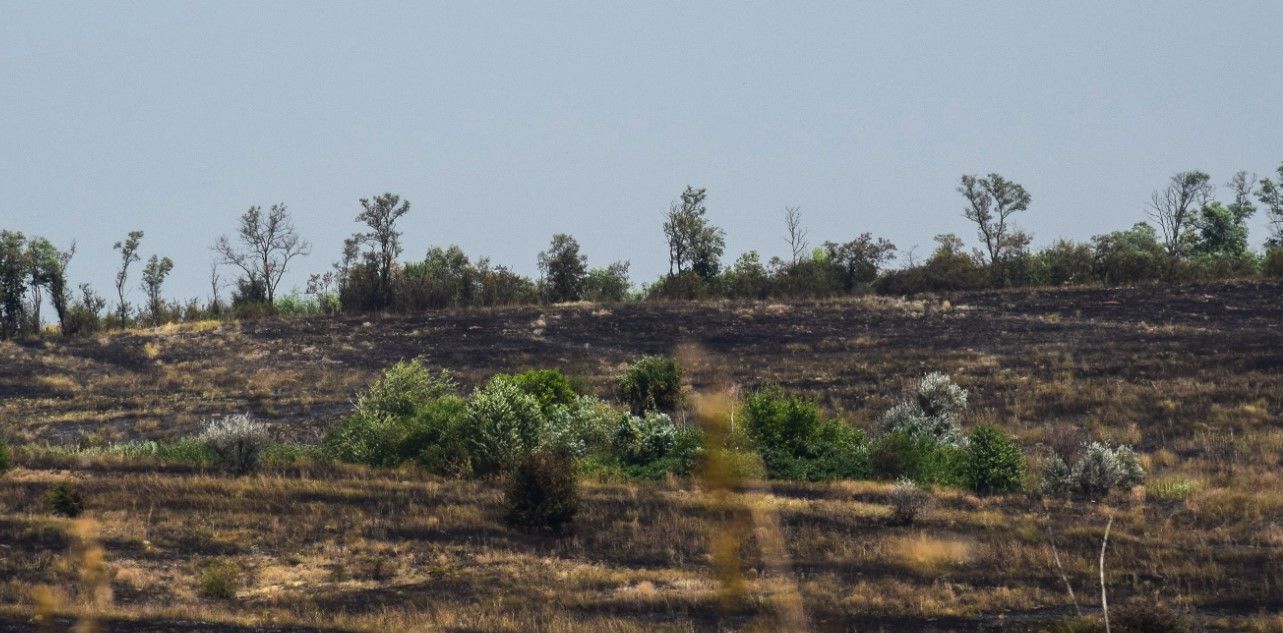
[{"x": 411, "y": 415}]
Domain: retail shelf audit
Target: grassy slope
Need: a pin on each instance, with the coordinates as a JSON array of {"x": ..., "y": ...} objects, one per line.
[{"x": 1172, "y": 370}]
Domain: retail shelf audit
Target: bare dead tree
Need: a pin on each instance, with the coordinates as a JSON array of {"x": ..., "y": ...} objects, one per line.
[
  {"x": 267, "y": 244},
  {"x": 1055, "y": 556},
  {"x": 991, "y": 201},
  {"x": 1242, "y": 184},
  {"x": 1104, "y": 601},
  {"x": 1176, "y": 207},
  {"x": 796, "y": 232},
  {"x": 215, "y": 287}
]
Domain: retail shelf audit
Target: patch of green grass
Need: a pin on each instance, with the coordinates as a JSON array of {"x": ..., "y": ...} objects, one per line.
[{"x": 1173, "y": 488}]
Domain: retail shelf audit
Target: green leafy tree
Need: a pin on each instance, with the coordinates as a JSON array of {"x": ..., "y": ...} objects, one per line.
[
  {"x": 1175, "y": 209},
  {"x": 991, "y": 201},
  {"x": 1270, "y": 194},
  {"x": 43, "y": 272},
  {"x": 380, "y": 215},
  {"x": 14, "y": 269},
  {"x": 607, "y": 285},
  {"x": 859, "y": 259},
  {"x": 1222, "y": 230},
  {"x": 563, "y": 269},
  {"x": 693, "y": 242},
  {"x": 154, "y": 274},
  {"x": 128, "y": 255}
]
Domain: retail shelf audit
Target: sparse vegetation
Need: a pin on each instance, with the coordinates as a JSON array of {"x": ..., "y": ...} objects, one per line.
[
  {"x": 220, "y": 580},
  {"x": 64, "y": 499},
  {"x": 907, "y": 501}
]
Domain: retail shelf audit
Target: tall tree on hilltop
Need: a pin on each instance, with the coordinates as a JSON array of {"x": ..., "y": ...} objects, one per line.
[
  {"x": 1270, "y": 193},
  {"x": 693, "y": 242},
  {"x": 128, "y": 255},
  {"x": 563, "y": 270},
  {"x": 154, "y": 274},
  {"x": 796, "y": 233},
  {"x": 1176, "y": 208},
  {"x": 380, "y": 215},
  {"x": 991, "y": 201},
  {"x": 268, "y": 241}
]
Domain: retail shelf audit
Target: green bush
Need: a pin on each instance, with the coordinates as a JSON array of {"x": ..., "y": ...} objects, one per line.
[
  {"x": 505, "y": 425},
  {"x": 780, "y": 423},
  {"x": 497, "y": 425},
  {"x": 404, "y": 388},
  {"x": 1272, "y": 262},
  {"x": 5, "y": 462},
  {"x": 65, "y": 500},
  {"x": 542, "y": 493},
  {"x": 1130, "y": 256},
  {"x": 651, "y": 447},
  {"x": 548, "y": 386},
  {"x": 687, "y": 285},
  {"x": 949, "y": 268},
  {"x": 437, "y": 437},
  {"x": 594, "y": 422},
  {"x": 994, "y": 462},
  {"x": 797, "y": 443},
  {"x": 652, "y": 383},
  {"x": 923, "y": 459},
  {"x": 364, "y": 438},
  {"x": 837, "y": 451},
  {"x": 294, "y": 304},
  {"x": 1064, "y": 262},
  {"x": 641, "y": 440},
  {"x": 281, "y": 454},
  {"x": 404, "y": 414},
  {"x": 220, "y": 580}
]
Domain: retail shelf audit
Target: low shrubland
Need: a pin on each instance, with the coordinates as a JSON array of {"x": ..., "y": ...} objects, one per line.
[{"x": 412, "y": 416}]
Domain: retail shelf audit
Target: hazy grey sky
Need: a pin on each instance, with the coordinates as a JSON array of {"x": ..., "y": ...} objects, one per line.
[{"x": 506, "y": 122}]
